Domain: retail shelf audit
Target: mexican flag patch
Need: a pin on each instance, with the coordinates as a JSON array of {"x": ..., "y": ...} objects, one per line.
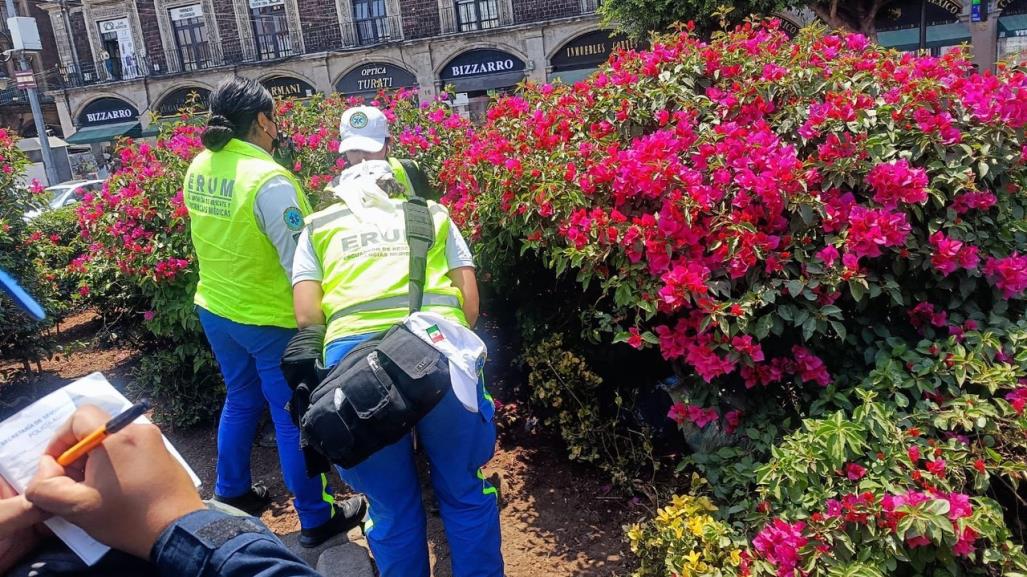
[{"x": 435, "y": 334}]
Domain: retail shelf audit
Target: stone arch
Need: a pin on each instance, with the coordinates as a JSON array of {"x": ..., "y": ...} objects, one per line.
[
  {"x": 141, "y": 109},
  {"x": 570, "y": 34}
]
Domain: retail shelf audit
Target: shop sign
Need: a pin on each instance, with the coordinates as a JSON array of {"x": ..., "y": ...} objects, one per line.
[
  {"x": 375, "y": 76},
  {"x": 186, "y": 12},
  {"x": 265, "y": 3},
  {"x": 481, "y": 62},
  {"x": 107, "y": 111},
  {"x": 589, "y": 50},
  {"x": 119, "y": 26},
  {"x": 288, "y": 87},
  {"x": 180, "y": 98}
]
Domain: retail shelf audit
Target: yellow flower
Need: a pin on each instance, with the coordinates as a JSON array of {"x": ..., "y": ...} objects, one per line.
[
  {"x": 736, "y": 557},
  {"x": 696, "y": 524}
]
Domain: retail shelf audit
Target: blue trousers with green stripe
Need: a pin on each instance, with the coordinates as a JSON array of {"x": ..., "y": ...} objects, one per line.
[
  {"x": 249, "y": 358},
  {"x": 457, "y": 443}
]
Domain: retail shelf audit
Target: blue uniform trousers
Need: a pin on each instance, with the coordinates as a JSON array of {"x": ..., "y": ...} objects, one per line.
[
  {"x": 457, "y": 442},
  {"x": 249, "y": 358}
]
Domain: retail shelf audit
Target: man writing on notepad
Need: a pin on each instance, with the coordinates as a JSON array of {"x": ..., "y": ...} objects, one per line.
[{"x": 132, "y": 495}]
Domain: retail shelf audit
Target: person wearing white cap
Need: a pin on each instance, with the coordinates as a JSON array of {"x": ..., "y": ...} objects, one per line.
[
  {"x": 351, "y": 274},
  {"x": 365, "y": 136}
]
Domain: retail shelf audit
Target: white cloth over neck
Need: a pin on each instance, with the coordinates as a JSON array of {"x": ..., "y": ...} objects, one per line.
[{"x": 465, "y": 351}]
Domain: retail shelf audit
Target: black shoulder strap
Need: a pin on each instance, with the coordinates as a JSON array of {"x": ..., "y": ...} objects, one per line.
[
  {"x": 420, "y": 236},
  {"x": 418, "y": 180}
]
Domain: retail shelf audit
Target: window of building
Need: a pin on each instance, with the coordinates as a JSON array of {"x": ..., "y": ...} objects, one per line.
[
  {"x": 190, "y": 30},
  {"x": 271, "y": 29},
  {"x": 477, "y": 14},
  {"x": 370, "y": 22}
]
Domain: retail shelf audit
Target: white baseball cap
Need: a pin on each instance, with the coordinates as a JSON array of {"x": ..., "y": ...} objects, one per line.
[{"x": 363, "y": 128}]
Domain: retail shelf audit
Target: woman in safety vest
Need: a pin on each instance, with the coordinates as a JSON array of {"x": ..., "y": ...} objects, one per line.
[
  {"x": 351, "y": 272},
  {"x": 245, "y": 214}
]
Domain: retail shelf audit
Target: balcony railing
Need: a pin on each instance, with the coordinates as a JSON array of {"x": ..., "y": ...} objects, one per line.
[
  {"x": 189, "y": 59},
  {"x": 372, "y": 31},
  {"x": 359, "y": 33},
  {"x": 451, "y": 22}
]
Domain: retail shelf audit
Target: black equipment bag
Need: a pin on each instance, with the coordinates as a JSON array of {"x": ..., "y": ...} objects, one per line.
[{"x": 380, "y": 389}]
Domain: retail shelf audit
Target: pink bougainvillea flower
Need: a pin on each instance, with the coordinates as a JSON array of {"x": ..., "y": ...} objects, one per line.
[
  {"x": 634, "y": 338},
  {"x": 951, "y": 255},
  {"x": 732, "y": 420},
  {"x": 1008, "y": 274},
  {"x": 896, "y": 182},
  {"x": 917, "y": 542},
  {"x": 809, "y": 367},
  {"x": 870, "y": 230},
  {"x": 936, "y": 467},
  {"x": 968, "y": 201},
  {"x": 964, "y": 547},
  {"x": 1018, "y": 399},
  {"x": 855, "y": 472},
  {"x": 779, "y": 543},
  {"x": 925, "y": 314}
]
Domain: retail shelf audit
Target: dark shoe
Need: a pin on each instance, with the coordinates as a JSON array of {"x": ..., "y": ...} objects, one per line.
[
  {"x": 252, "y": 502},
  {"x": 348, "y": 515}
]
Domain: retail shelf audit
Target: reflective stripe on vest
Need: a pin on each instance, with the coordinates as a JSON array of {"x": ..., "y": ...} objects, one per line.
[
  {"x": 366, "y": 267},
  {"x": 400, "y": 302},
  {"x": 241, "y": 276}
]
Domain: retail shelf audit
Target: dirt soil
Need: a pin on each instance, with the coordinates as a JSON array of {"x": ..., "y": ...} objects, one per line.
[{"x": 558, "y": 518}]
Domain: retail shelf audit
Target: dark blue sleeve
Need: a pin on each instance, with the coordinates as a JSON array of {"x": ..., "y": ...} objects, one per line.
[{"x": 212, "y": 544}]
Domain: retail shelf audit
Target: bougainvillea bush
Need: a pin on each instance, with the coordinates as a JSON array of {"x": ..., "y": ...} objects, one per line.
[
  {"x": 821, "y": 240},
  {"x": 795, "y": 224},
  {"x": 20, "y": 335}
]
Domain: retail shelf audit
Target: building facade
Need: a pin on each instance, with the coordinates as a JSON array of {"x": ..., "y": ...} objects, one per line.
[
  {"x": 123, "y": 58},
  {"x": 15, "y": 112},
  {"x": 1002, "y": 36}
]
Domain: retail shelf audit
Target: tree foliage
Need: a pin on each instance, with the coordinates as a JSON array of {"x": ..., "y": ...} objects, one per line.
[{"x": 639, "y": 17}]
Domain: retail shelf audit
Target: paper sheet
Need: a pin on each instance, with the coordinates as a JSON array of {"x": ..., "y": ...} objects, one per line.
[{"x": 24, "y": 437}]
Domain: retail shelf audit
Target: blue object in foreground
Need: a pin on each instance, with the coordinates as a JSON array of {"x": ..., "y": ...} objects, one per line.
[{"x": 21, "y": 298}]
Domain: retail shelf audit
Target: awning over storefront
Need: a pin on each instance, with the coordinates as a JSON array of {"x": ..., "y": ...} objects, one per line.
[
  {"x": 108, "y": 132},
  {"x": 485, "y": 83},
  {"x": 569, "y": 77},
  {"x": 937, "y": 36}
]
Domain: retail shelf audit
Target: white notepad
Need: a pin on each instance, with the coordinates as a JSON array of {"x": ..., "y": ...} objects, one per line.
[{"x": 24, "y": 437}]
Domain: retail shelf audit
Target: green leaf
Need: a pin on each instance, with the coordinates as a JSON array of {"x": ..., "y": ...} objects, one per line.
[
  {"x": 858, "y": 288},
  {"x": 840, "y": 329}
]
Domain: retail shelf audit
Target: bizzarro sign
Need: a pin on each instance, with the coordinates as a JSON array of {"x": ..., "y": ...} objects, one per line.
[
  {"x": 375, "y": 76},
  {"x": 107, "y": 111},
  {"x": 480, "y": 63}
]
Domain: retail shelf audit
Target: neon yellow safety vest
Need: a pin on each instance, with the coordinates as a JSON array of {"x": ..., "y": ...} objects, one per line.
[
  {"x": 365, "y": 271},
  {"x": 400, "y": 173},
  {"x": 241, "y": 277}
]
